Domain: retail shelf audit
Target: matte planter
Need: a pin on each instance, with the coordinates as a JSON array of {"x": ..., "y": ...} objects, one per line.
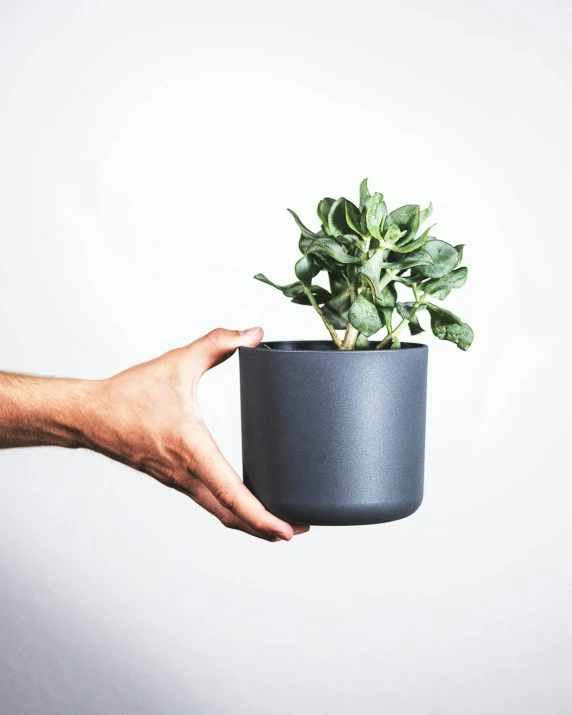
[{"x": 334, "y": 437}]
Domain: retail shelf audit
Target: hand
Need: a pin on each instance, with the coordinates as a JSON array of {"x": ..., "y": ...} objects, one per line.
[{"x": 148, "y": 418}]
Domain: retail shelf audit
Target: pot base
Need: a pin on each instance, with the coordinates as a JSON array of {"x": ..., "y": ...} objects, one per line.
[
  {"x": 342, "y": 515},
  {"x": 350, "y": 517},
  {"x": 337, "y": 514}
]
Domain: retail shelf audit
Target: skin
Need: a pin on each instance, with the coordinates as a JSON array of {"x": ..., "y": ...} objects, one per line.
[{"x": 148, "y": 418}]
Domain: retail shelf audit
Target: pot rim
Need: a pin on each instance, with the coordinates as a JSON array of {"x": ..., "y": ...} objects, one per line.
[{"x": 327, "y": 346}]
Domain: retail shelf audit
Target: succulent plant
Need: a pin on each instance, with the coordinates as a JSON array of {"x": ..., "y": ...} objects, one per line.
[{"x": 367, "y": 253}]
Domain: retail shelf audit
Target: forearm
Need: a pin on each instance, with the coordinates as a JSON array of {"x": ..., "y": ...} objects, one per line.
[{"x": 36, "y": 411}]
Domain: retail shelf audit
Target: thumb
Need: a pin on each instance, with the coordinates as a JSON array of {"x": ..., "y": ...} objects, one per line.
[{"x": 218, "y": 345}]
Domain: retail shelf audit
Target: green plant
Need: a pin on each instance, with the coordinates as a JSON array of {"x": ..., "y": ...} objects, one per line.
[{"x": 367, "y": 252}]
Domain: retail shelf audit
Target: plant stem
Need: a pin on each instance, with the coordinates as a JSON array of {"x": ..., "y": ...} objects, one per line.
[
  {"x": 351, "y": 334},
  {"x": 350, "y": 337},
  {"x": 394, "y": 333},
  {"x": 327, "y": 323},
  {"x": 386, "y": 280},
  {"x": 399, "y": 327}
]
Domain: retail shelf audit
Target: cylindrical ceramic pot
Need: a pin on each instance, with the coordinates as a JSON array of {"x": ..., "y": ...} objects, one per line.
[{"x": 334, "y": 437}]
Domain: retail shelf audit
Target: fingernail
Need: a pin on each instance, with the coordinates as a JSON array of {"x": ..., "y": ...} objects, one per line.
[
  {"x": 278, "y": 535},
  {"x": 300, "y": 530},
  {"x": 249, "y": 331}
]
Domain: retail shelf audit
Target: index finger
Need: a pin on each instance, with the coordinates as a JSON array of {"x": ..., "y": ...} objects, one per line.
[{"x": 207, "y": 462}]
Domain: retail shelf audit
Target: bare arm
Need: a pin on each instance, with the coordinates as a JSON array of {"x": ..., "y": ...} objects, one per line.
[
  {"x": 36, "y": 411},
  {"x": 148, "y": 418}
]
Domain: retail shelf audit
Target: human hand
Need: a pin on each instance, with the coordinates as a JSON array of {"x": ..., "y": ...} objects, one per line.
[{"x": 148, "y": 418}]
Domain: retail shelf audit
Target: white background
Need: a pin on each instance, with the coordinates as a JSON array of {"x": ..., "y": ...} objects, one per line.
[{"x": 148, "y": 151}]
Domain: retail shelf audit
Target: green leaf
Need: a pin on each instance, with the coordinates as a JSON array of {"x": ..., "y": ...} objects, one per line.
[
  {"x": 414, "y": 327},
  {"x": 305, "y": 270},
  {"x": 295, "y": 291},
  {"x": 337, "y": 224},
  {"x": 414, "y": 245},
  {"x": 393, "y": 234},
  {"x": 418, "y": 258},
  {"x": 336, "y": 309},
  {"x": 363, "y": 194},
  {"x": 386, "y": 314},
  {"x": 441, "y": 294},
  {"x": 330, "y": 247},
  {"x": 338, "y": 283},
  {"x": 425, "y": 213},
  {"x": 407, "y": 218},
  {"x": 353, "y": 218},
  {"x": 461, "y": 335},
  {"x": 405, "y": 310},
  {"x": 376, "y": 212},
  {"x": 325, "y": 263},
  {"x": 444, "y": 259},
  {"x": 388, "y": 296},
  {"x": 409, "y": 310},
  {"x": 304, "y": 243},
  {"x": 454, "y": 279},
  {"x": 371, "y": 271},
  {"x": 395, "y": 344},
  {"x": 443, "y": 290},
  {"x": 290, "y": 290},
  {"x": 443, "y": 316},
  {"x": 324, "y": 209},
  {"x": 406, "y": 280},
  {"x": 362, "y": 342},
  {"x": 350, "y": 239},
  {"x": 320, "y": 294},
  {"x": 447, "y": 326},
  {"x": 363, "y": 316},
  {"x": 305, "y": 231},
  {"x": 363, "y": 225}
]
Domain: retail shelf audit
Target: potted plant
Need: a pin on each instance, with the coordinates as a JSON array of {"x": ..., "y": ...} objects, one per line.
[{"x": 333, "y": 431}]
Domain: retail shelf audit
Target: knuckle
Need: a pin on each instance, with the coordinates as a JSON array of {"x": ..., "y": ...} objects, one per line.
[
  {"x": 260, "y": 526},
  {"x": 171, "y": 478},
  {"x": 226, "y": 497},
  {"x": 180, "y": 481},
  {"x": 216, "y": 337},
  {"x": 228, "y": 520},
  {"x": 192, "y": 484},
  {"x": 182, "y": 452}
]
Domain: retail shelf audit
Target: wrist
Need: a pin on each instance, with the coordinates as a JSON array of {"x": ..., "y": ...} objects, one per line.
[
  {"x": 42, "y": 411},
  {"x": 64, "y": 411},
  {"x": 77, "y": 412},
  {"x": 87, "y": 414},
  {"x": 100, "y": 420}
]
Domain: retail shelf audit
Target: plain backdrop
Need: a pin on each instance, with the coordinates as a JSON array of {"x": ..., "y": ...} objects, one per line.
[{"x": 148, "y": 153}]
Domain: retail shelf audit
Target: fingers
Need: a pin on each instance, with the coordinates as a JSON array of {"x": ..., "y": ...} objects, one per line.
[
  {"x": 218, "y": 345},
  {"x": 203, "y": 497},
  {"x": 209, "y": 465},
  {"x": 240, "y": 508}
]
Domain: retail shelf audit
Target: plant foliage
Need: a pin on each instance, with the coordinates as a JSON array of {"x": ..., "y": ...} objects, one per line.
[{"x": 367, "y": 253}]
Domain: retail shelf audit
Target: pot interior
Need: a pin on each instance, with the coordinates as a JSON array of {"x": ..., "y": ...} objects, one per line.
[{"x": 312, "y": 345}]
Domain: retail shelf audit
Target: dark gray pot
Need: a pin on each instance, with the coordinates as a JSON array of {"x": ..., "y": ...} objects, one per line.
[{"x": 334, "y": 436}]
